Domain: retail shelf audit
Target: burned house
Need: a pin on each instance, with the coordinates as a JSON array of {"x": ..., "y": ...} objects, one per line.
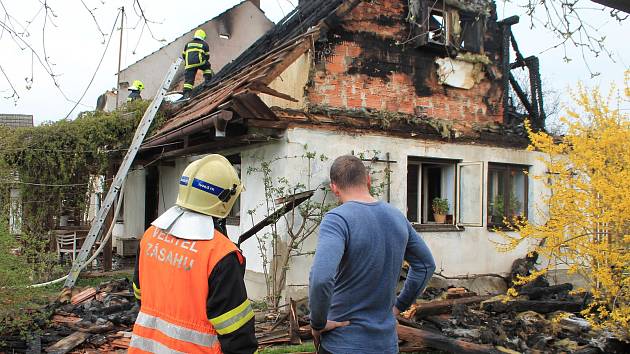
[{"x": 422, "y": 89}]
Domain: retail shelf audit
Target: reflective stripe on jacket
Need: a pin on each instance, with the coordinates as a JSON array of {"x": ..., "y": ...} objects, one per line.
[
  {"x": 174, "y": 276},
  {"x": 196, "y": 53}
]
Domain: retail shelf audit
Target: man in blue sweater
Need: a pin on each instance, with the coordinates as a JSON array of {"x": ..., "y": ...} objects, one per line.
[{"x": 360, "y": 252}]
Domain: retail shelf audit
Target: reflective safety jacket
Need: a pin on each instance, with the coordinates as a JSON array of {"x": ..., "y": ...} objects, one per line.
[
  {"x": 134, "y": 95},
  {"x": 196, "y": 53},
  {"x": 193, "y": 298}
]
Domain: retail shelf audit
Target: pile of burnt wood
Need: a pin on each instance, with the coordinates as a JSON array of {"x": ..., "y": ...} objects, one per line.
[
  {"x": 542, "y": 319},
  {"x": 91, "y": 320}
]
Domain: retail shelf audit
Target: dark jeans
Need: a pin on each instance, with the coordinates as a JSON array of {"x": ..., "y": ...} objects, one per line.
[{"x": 189, "y": 75}]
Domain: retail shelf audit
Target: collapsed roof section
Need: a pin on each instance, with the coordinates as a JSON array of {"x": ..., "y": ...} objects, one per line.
[
  {"x": 258, "y": 66},
  {"x": 317, "y": 28}
]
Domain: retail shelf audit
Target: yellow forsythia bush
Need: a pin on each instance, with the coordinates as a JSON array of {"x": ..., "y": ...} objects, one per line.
[{"x": 587, "y": 210}]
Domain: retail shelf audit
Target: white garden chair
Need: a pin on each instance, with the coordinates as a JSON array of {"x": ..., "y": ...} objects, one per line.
[{"x": 67, "y": 242}]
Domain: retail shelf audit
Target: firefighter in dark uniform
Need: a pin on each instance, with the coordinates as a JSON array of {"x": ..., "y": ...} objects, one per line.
[
  {"x": 196, "y": 56},
  {"x": 134, "y": 91}
]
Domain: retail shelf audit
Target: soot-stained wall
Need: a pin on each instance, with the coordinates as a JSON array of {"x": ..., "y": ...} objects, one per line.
[{"x": 369, "y": 62}]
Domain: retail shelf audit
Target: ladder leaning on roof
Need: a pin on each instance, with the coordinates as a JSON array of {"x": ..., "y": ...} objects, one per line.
[{"x": 114, "y": 190}]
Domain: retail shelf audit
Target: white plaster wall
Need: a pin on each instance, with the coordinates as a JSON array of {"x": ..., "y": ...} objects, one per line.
[
  {"x": 456, "y": 253},
  {"x": 133, "y": 203},
  {"x": 246, "y": 23},
  {"x": 169, "y": 183},
  {"x": 468, "y": 252},
  {"x": 251, "y": 198}
]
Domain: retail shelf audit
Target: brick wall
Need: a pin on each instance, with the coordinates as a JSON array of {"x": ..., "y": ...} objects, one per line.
[{"x": 364, "y": 65}]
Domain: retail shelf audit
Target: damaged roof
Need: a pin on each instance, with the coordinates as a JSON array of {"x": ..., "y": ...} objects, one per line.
[{"x": 260, "y": 64}]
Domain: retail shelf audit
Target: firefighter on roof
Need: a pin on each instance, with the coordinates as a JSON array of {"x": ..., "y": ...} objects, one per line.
[
  {"x": 196, "y": 56},
  {"x": 134, "y": 91},
  {"x": 189, "y": 275}
]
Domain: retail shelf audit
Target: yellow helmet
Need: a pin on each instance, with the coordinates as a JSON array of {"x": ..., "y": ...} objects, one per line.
[
  {"x": 200, "y": 34},
  {"x": 209, "y": 186},
  {"x": 137, "y": 85}
]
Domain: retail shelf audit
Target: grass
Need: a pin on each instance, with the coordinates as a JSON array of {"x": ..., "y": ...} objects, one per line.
[
  {"x": 306, "y": 347},
  {"x": 310, "y": 348},
  {"x": 21, "y": 308}
]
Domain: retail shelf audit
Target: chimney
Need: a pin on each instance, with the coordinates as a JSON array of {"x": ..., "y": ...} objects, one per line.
[{"x": 255, "y": 2}]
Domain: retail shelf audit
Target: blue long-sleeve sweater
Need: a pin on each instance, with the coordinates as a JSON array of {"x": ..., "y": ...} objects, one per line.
[{"x": 356, "y": 269}]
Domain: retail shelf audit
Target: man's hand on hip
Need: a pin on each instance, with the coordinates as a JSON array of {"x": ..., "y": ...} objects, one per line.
[
  {"x": 395, "y": 311},
  {"x": 330, "y": 325}
]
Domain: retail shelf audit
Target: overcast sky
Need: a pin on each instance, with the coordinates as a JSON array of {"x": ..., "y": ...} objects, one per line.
[{"x": 74, "y": 47}]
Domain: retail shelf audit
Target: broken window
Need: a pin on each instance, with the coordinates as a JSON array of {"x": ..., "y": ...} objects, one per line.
[
  {"x": 507, "y": 193},
  {"x": 428, "y": 179},
  {"x": 437, "y": 24},
  {"x": 471, "y": 26},
  {"x": 438, "y": 27}
]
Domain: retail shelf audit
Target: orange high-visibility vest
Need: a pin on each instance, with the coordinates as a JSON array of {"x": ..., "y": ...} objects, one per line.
[{"x": 174, "y": 288}]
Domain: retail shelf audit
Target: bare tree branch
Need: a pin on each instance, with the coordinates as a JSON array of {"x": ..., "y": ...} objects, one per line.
[
  {"x": 140, "y": 12},
  {"x": 15, "y": 94},
  {"x": 566, "y": 20},
  {"x": 111, "y": 34},
  {"x": 98, "y": 27}
]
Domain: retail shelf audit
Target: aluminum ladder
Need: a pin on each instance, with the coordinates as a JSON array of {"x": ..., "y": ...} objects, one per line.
[{"x": 114, "y": 190}]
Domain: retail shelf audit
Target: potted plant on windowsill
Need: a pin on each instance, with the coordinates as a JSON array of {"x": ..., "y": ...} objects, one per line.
[{"x": 440, "y": 208}]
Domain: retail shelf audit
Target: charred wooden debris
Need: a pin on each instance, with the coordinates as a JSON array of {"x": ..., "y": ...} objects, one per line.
[
  {"x": 542, "y": 319},
  {"x": 91, "y": 320}
]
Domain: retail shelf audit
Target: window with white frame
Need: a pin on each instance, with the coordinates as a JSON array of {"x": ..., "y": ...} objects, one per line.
[
  {"x": 428, "y": 180},
  {"x": 458, "y": 186},
  {"x": 507, "y": 193}
]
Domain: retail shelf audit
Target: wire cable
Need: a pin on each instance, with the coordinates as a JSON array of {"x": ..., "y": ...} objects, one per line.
[{"x": 97, "y": 67}]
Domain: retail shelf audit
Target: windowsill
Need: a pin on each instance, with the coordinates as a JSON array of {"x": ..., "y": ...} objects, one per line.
[
  {"x": 438, "y": 228},
  {"x": 233, "y": 220},
  {"x": 502, "y": 228}
]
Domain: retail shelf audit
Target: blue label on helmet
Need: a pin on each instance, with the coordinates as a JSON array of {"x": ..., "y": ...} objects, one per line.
[
  {"x": 207, "y": 187},
  {"x": 184, "y": 180}
]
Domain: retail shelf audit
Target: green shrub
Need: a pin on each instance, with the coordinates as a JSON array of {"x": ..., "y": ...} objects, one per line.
[{"x": 21, "y": 310}]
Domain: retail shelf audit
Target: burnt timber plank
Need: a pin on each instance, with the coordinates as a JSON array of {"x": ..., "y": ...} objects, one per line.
[
  {"x": 418, "y": 338},
  {"x": 68, "y": 343},
  {"x": 446, "y": 306},
  {"x": 538, "y": 292},
  {"x": 540, "y": 306},
  {"x": 261, "y": 123}
]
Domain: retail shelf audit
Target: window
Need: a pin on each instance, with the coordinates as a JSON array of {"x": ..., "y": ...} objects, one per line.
[
  {"x": 437, "y": 24},
  {"x": 428, "y": 179},
  {"x": 470, "y": 193},
  {"x": 470, "y": 37},
  {"x": 507, "y": 193},
  {"x": 438, "y": 27}
]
